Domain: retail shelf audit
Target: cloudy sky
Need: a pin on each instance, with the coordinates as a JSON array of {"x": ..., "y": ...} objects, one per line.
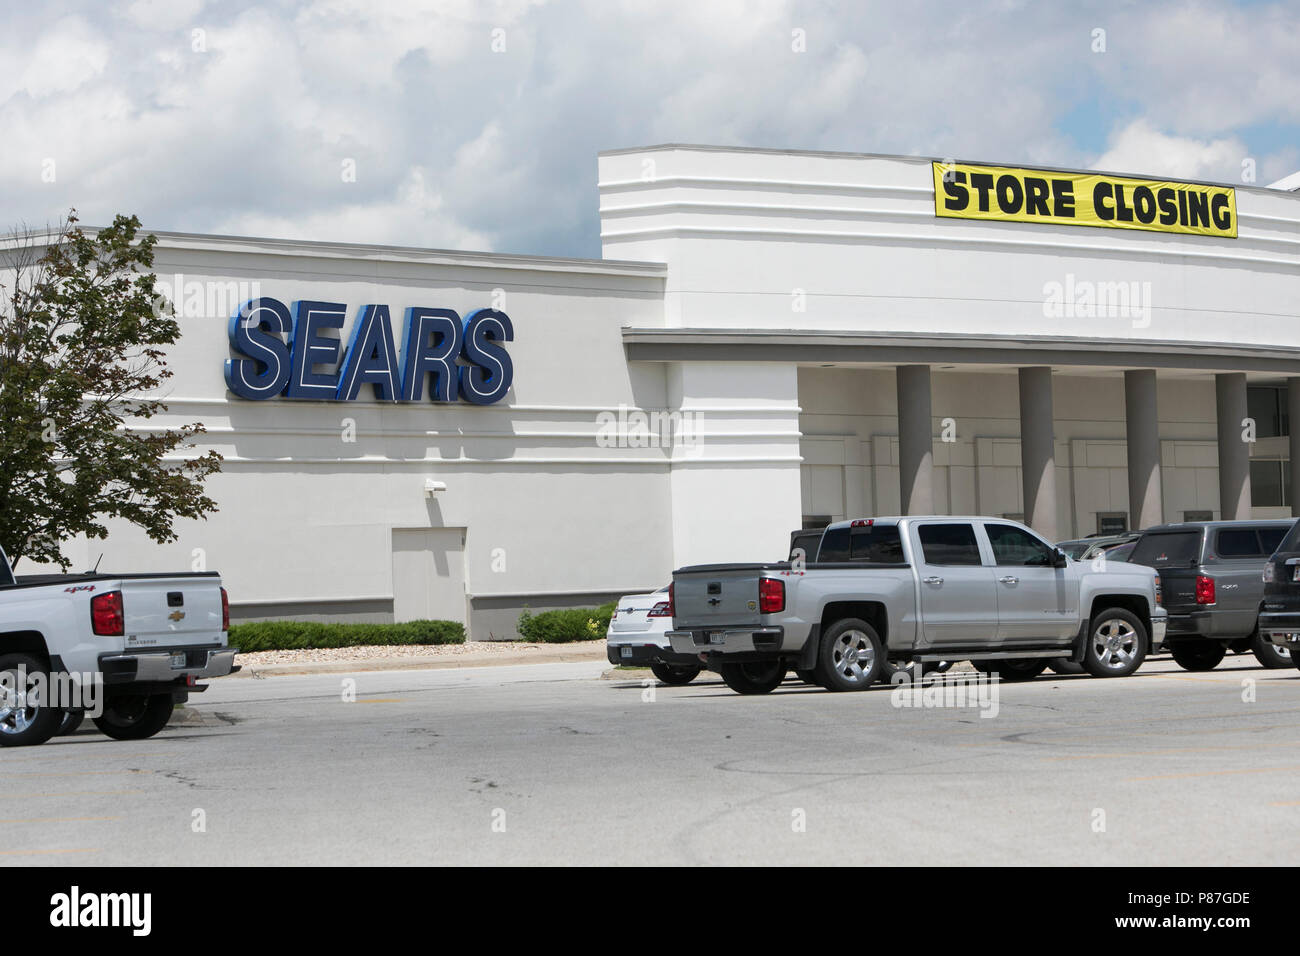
[{"x": 475, "y": 125}]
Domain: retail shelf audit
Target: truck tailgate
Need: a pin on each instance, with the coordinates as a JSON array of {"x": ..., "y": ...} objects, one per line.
[
  {"x": 172, "y": 611},
  {"x": 722, "y": 594}
]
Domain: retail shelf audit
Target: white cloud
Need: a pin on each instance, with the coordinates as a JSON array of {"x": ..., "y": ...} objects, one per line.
[
  {"x": 1141, "y": 148},
  {"x": 414, "y": 213},
  {"x": 457, "y": 145},
  {"x": 63, "y": 59}
]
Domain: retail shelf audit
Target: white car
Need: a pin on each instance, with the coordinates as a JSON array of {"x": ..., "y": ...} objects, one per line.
[{"x": 638, "y": 635}]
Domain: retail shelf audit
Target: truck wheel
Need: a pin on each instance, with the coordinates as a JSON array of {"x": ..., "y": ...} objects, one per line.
[
  {"x": 135, "y": 717},
  {"x": 753, "y": 677},
  {"x": 72, "y": 719},
  {"x": 674, "y": 675},
  {"x": 25, "y": 719},
  {"x": 911, "y": 669},
  {"x": 1197, "y": 655},
  {"x": 1019, "y": 668},
  {"x": 1269, "y": 654},
  {"x": 1117, "y": 644},
  {"x": 851, "y": 656}
]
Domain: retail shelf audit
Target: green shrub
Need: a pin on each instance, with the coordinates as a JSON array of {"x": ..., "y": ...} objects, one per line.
[
  {"x": 567, "y": 624},
  {"x": 298, "y": 635}
]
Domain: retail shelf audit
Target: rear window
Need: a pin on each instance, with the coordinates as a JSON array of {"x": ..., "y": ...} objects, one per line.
[
  {"x": 1167, "y": 549},
  {"x": 877, "y": 544},
  {"x": 952, "y": 544}
]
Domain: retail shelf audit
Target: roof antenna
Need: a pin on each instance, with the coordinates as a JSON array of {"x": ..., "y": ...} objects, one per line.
[{"x": 95, "y": 569}]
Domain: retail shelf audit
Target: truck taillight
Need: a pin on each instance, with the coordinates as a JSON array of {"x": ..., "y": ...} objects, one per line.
[
  {"x": 662, "y": 609},
  {"x": 1160, "y": 592},
  {"x": 225, "y": 610},
  {"x": 1204, "y": 589},
  {"x": 672, "y": 606},
  {"x": 106, "y": 617},
  {"x": 771, "y": 595},
  {"x": 1270, "y": 575}
]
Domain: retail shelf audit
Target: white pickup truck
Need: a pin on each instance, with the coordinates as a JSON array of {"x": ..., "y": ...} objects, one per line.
[
  {"x": 886, "y": 594},
  {"x": 121, "y": 648}
]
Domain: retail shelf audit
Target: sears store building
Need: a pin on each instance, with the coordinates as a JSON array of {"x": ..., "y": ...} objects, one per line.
[{"x": 772, "y": 339}]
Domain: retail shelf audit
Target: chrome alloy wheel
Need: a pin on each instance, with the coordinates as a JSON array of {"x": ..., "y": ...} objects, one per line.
[
  {"x": 854, "y": 656},
  {"x": 18, "y": 702},
  {"x": 1114, "y": 643}
]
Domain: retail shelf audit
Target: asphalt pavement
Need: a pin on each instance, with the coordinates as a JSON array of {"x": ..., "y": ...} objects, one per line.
[{"x": 548, "y": 763}]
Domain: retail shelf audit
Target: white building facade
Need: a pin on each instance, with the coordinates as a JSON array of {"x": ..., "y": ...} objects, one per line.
[{"x": 773, "y": 339}]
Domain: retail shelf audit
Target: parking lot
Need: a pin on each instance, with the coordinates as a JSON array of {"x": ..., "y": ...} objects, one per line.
[{"x": 550, "y": 763}]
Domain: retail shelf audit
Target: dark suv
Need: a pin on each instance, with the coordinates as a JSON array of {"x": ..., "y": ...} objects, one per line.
[
  {"x": 1211, "y": 573},
  {"x": 1279, "y": 618}
]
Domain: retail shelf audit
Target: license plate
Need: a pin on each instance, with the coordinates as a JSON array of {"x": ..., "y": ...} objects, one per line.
[
  {"x": 716, "y": 637},
  {"x": 625, "y": 651},
  {"x": 178, "y": 661}
]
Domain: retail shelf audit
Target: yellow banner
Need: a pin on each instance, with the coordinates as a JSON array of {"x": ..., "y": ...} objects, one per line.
[{"x": 965, "y": 191}]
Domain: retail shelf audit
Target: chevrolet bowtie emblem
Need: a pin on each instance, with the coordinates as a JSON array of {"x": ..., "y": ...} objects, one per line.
[{"x": 177, "y": 615}]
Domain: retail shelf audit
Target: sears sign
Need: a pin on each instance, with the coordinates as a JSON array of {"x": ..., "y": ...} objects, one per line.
[{"x": 288, "y": 352}]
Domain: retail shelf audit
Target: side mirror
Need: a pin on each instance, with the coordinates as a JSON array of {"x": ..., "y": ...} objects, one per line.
[{"x": 1059, "y": 559}]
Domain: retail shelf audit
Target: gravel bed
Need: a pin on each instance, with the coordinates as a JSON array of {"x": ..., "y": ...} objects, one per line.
[{"x": 323, "y": 655}]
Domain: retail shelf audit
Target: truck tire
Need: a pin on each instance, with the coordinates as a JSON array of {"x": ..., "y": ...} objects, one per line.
[
  {"x": 1197, "y": 655},
  {"x": 1269, "y": 654},
  {"x": 674, "y": 675},
  {"x": 1117, "y": 643},
  {"x": 1065, "y": 667},
  {"x": 911, "y": 668},
  {"x": 851, "y": 656},
  {"x": 135, "y": 717},
  {"x": 72, "y": 718},
  {"x": 753, "y": 677},
  {"x": 34, "y": 722},
  {"x": 1018, "y": 668}
]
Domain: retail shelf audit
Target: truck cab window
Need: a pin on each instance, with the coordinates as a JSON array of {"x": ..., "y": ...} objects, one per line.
[
  {"x": 950, "y": 544},
  {"x": 1012, "y": 546}
]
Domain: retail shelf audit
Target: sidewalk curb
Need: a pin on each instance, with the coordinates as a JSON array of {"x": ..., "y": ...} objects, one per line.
[{"x": 534, "y": 655}]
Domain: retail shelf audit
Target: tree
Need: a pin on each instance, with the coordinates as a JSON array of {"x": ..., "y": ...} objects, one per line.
[{"x": 82, "y": 337}]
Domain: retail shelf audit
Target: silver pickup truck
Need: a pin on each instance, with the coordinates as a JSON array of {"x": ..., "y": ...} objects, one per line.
[{"x": 884, "y": 593}]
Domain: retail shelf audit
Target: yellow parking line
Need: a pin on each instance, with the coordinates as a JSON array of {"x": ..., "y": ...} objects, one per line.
[
  {"x": 58, "y": 819},
  {"x": 74, "y": 773},
  {"x": 1173, "y": 750},
  {"x": 80, "y": 793},
  {"x": 51, "y": 753},
  {"x": 1286, "y": 803},
  {"x": 1213, "y": 773}
]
